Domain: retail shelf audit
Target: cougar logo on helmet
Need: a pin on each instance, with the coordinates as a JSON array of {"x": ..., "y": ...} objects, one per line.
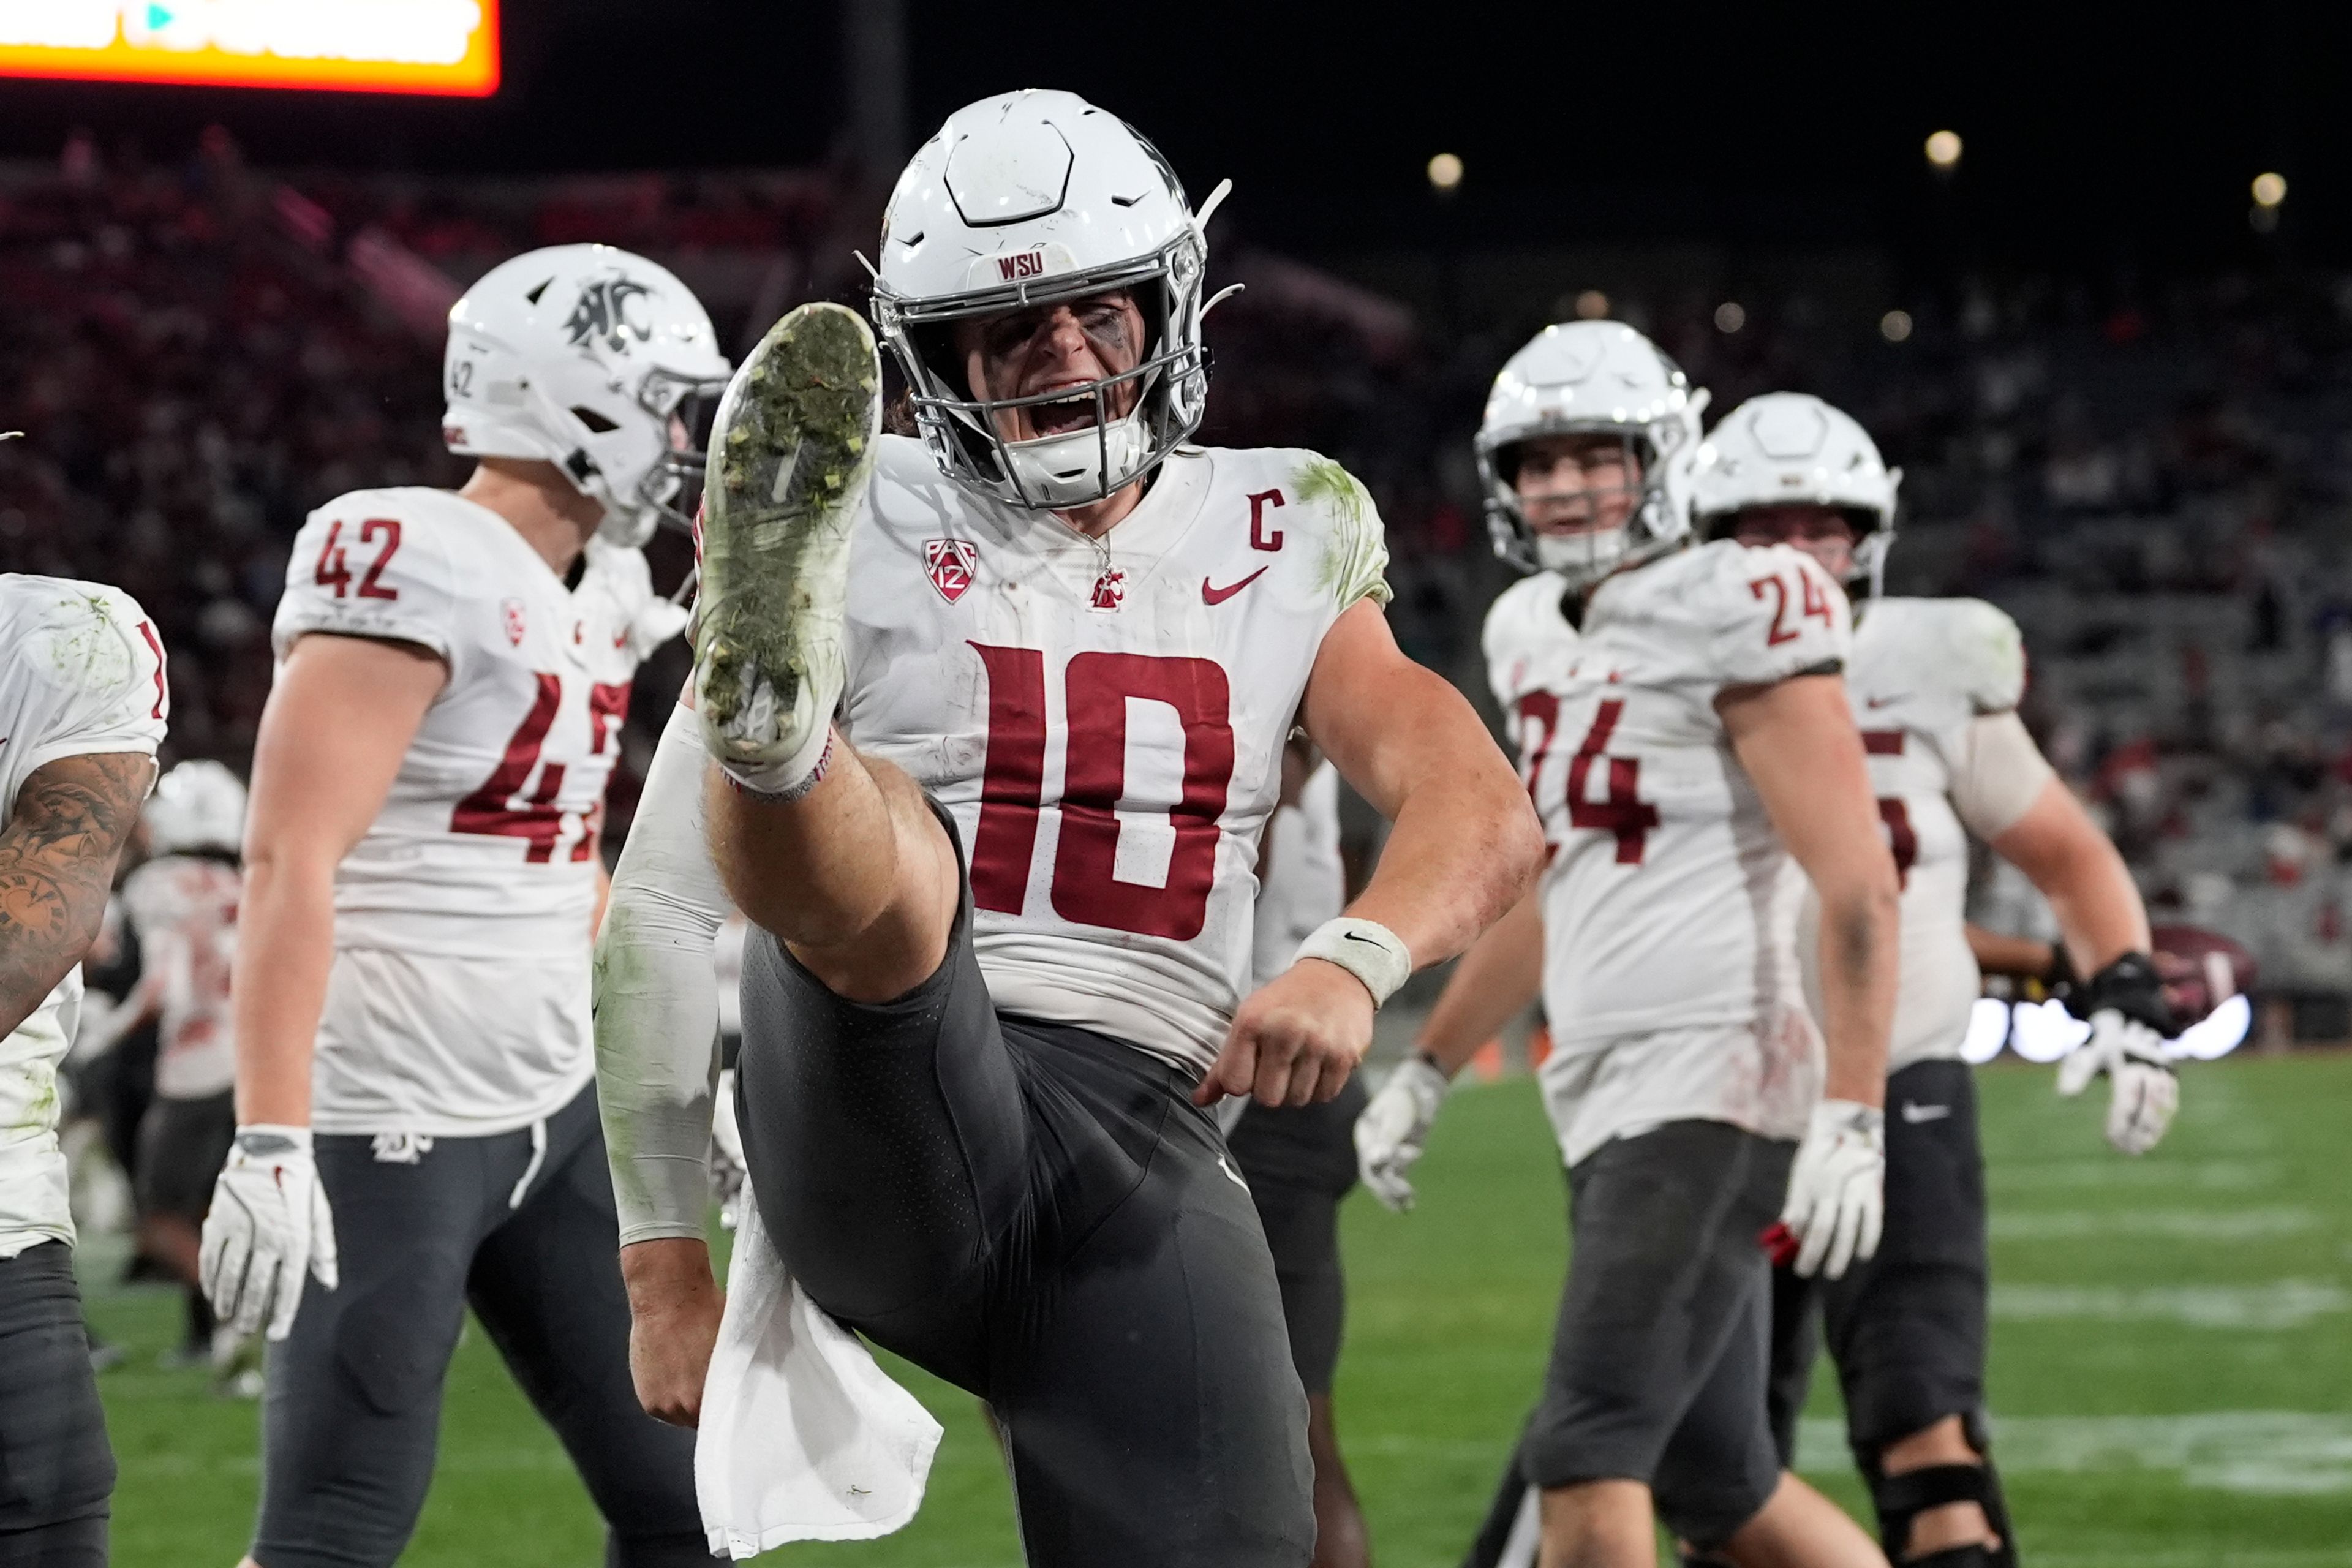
[{"x": 603, "y": 312}]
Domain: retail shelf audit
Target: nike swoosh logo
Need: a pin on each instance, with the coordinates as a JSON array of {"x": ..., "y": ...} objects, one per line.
[
  {"x": 1360, "y": 936},
  {"x": 1211, "y": 596},
  {"x": 1916, "y": 1114},
  {"x": 1234, "y": 1174},
  {"x": 1883, "y": 701}
]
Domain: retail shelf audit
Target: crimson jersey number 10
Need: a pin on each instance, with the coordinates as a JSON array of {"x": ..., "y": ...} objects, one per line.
[{"x": 1097, "y": 687}]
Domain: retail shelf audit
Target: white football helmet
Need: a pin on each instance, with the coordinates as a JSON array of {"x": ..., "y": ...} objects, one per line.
[
  {"x": 1791, "y": 448},
  {"x": 197, "y": 805},
  {"x": 597, "y": 361},
  {"x": 1021, "y": 200},
  {"x": 1583, "y": 378}
]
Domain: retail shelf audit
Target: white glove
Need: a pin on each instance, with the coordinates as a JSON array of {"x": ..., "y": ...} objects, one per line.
[
  {"x": 2147, "y": 1091},
  {"x": 1390, "y": 1131},
  {"x": 727, "y": 1155},
  {"x": 1837, "y": 1190},
  {"x": 655, "y": 624},
  {"x": 269, "y": 1223}
]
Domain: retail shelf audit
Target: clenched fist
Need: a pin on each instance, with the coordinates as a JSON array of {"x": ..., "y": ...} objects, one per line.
[{"x": 1295, "y": 1040}]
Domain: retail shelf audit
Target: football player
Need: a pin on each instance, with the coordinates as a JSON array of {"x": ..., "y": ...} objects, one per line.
[
  {"x": 1683, "y": 731},
  {"x": 83, "y": 701},
  {"x": 417, "y": 1126},
  {"x": 1004, "y": 901},
  {"x": 1300, "y": 1160},
  {"x": 1934, "y": 685},
  {"x": 182, "y": 905}
]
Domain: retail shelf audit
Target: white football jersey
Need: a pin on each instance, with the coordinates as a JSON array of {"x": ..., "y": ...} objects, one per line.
[
  {"x": 1303, "y": 885},
  {"x": 1669, "y": 904},
  {"x": 1922, "y": 671},
  {"x": 184, "y": 908},
  {"x": 459, "y": 1004},
  {"x": 81, "y": 674},
  {"x": 1105, "y": 720}
]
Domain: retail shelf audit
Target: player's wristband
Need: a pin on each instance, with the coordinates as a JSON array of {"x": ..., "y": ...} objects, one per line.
[
  {"x": 261, "y": 1139},
  {"x": 1365, "y": 948}
]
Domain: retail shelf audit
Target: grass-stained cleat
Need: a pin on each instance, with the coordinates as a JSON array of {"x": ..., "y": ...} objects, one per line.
[{"x": 790, "y": 457}]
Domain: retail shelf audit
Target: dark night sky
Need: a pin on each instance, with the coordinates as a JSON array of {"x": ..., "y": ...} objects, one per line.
[{"x": 2095, "y": 134}]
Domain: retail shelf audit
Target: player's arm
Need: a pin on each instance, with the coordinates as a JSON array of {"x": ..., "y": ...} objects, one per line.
[
  {"x": 1796, "y": 740},
  {"x": 1501, "y": 973},
  {"x": 58, "y": 854},
  {"x": 2009, "y": 795},
  {"x": 2018, "y": 957},
  {"x": 339, "y": 720},
  {"x": 1494, "y": 982},
  {"x": 1796, "y": 743},
  {"x": 2076, "y": 868},
  {"x": 657, "y": 1071},
  {"x": 1463, "y": 848}
]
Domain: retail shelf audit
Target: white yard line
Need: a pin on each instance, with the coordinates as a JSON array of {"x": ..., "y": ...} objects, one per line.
[
  {"x": 2273, "y": 1305},
  {"x": 2270, "y": 1452},
  {"x": 2167, "y": 1225},
  {"x": 2024, "y": 1178}
]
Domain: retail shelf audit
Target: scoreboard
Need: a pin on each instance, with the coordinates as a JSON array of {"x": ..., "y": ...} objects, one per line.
[{"x": 446, "y": 47}]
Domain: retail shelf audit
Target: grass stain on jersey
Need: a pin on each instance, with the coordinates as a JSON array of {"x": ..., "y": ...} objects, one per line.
[
  {"x": 1355, "y": 555},
  {"x": 84, "y": 645}
]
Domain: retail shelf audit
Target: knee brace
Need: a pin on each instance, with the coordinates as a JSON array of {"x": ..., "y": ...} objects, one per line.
[{"x": 1901, "y": 1499}]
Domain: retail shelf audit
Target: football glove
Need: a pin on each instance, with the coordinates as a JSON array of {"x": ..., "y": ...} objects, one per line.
[
  {"x": 2124, "y": 1003},
  {"x": 655, "y": 624},
  {"x": 1837, "y": 1189},
  {"x": 727, "y": 1155},
  {"x": 269, "y": 1224},
  {"x": 1394, "y": 1126}
]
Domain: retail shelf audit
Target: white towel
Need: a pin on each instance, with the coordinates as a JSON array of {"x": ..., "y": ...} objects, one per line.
[{"x": 802, "y": 1436}]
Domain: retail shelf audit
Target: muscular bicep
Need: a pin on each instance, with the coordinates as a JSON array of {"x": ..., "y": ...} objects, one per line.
[
  {"x": 1796, "y": 743},
  {"x": 58, "y": 856},
  {"x": 340, "y": 718},
  {"x": 1385, "y": 722}
]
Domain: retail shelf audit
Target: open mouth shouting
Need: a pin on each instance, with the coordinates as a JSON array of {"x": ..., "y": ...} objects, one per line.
[{"x": 1059, "y": 418}]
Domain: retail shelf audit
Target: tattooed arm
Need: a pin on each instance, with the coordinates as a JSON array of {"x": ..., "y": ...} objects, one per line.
[{"x": 56, "y": 862}]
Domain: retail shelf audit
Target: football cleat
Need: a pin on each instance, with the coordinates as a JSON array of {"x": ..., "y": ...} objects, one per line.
[{"x": 789, "y": 456}]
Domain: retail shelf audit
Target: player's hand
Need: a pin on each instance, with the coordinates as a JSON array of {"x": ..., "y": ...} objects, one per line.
[
  {"x": 1394, "y": 1126},
  {"x": 674, "y": 1309},
  {"x": 1837, "y": 1190},
  {"x": 269, "y": 1224},
  {"x": 2147, "y": 1091},
  {"x": 1295, "y": 1040},
  {"x": 725, "y": 1154}
]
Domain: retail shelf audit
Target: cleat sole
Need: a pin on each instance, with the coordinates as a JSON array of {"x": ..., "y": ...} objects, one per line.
[{"x": 790, "y": 457}]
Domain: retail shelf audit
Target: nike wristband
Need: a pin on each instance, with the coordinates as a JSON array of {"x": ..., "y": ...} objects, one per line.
[
  {"x": 1365, "y": 948},
  {"x": 266, "y": 1140}
]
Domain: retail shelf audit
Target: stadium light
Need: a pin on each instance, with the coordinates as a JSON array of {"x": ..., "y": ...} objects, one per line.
[
  {"x": 2270, "y": 189},
  {"x": 442, "y": 47},
  {"x": 1944, "y": 150},
  {"x": 1730, "y": 316},
  {"x": 2045, "y": 1031},
  {"x": 1894, "y": 326},
  {"x": 1444, "y": 174},
  {"x": 1987, "y": 1031},
  {"x": 1591, "y": 305}
]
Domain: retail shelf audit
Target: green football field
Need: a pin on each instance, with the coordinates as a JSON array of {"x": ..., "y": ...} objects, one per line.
[{"x": 2171, "y": 1367}]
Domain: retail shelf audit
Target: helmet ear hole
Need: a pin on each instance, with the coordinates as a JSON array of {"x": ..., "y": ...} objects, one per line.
[{"x": 597, "y": 423}]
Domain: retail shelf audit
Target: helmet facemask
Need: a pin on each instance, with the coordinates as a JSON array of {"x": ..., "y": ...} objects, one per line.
[
  {"x": 1088, "y": 462},
  {"x": 685, "y": 408}
]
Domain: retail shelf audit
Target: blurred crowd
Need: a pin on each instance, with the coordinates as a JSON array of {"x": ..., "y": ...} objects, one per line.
[{"x": 2154, "y": 479}]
